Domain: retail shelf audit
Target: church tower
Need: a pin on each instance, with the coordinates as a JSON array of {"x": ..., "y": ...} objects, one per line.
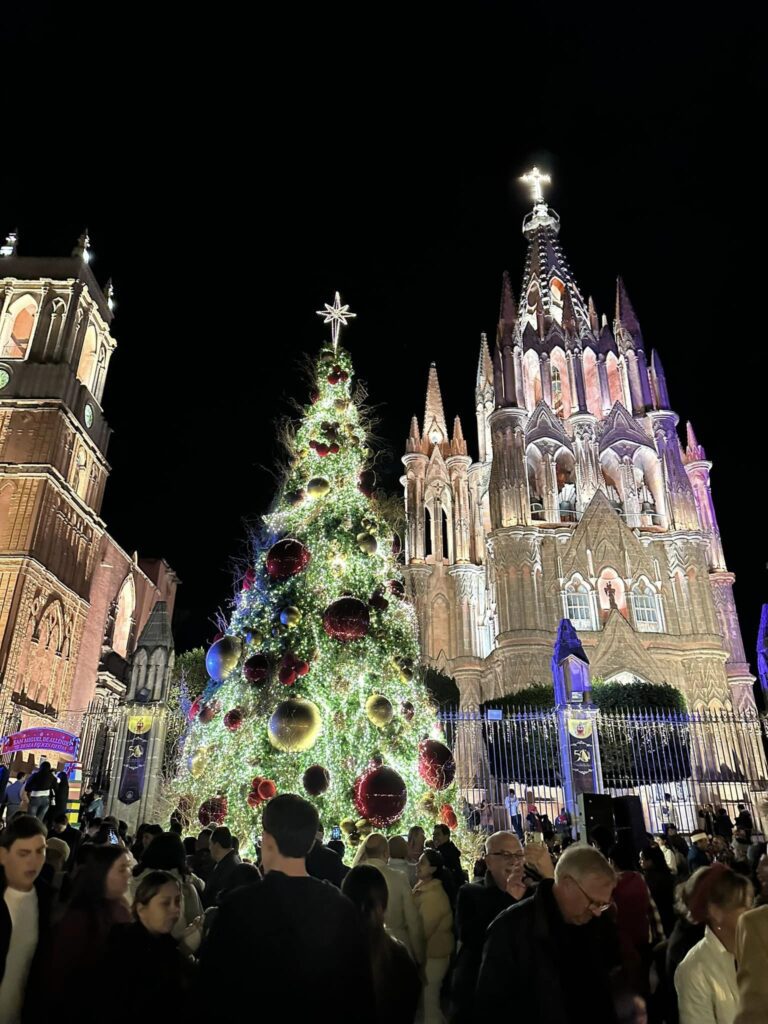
[
  {"x": 55, "y": 349},
  {"x": 582, "y": 504}
]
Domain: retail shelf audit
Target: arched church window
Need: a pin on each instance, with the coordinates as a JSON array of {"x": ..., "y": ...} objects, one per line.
[
  {"x": 645, "y": 608},
  {"x": 557, "y": 392},
  {"x": 86, "y": 368},
  {"x": 427, "y": 532},
  {"x": 446, "y": 536},
  {"x": 578, "y": 605},
  {"x": 126, "y": 604},
  {"x": 20, "y": 324}
]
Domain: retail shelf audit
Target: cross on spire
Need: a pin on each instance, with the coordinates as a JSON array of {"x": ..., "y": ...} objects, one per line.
[
  {"x": 337, "y": 316},
  {"x": 535, "y": 179}
]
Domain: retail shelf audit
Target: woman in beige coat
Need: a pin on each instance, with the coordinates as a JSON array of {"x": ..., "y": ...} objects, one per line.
[{"x": 434, "y": 905}]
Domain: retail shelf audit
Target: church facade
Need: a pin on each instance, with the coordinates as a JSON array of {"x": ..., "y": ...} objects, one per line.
[
  {"x": 583, "y": 503},
  {"x": 72, "y": 602}
]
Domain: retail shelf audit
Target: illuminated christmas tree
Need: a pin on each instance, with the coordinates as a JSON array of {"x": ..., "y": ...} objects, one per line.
[{"x": 313, "y": 687}]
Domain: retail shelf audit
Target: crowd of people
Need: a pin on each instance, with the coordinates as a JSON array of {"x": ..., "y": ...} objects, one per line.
[{"x": 164, "y": 926}]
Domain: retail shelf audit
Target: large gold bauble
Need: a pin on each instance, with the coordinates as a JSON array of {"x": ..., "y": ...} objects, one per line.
[
  {"x": 198, "y": 764},
  {"x": 295, "y": 725},
  {"x": 379, "y": 710},
  {"x": 318, "y": 487},
  {"x": 223, "y": 657},
  {"x": 367, "y": 543}
]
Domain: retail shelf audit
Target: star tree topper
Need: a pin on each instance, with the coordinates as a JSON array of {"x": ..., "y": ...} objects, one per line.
[{"x": 337, "y": 316}]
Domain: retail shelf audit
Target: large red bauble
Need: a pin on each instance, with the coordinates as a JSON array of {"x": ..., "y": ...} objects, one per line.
[
  {"x": 380, "y": 795},
  {"x": 233, "y": 719},
  {"x": 287, "y": 558},
  {"x": 366, "y": 482},
  {"x": 346, "y": 619},
  {"x": 209, "y": 712},
  {"x": 213, "y": 811},
  {"x": 316, "y": 780},
  {"x": 436, "y": 764},
  {"x": 256, "y": 669}
]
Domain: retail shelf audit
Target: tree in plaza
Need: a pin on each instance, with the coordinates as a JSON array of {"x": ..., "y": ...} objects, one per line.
[{"x": 313, "y": 688}]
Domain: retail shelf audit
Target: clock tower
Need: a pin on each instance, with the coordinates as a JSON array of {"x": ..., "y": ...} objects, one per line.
[{"x": 55, "y": 350}]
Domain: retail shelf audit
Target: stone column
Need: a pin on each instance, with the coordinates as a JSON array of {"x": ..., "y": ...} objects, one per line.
[{"x": 508, "y": 489}]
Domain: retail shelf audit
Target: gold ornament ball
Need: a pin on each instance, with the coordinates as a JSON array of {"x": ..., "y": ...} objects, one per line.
[
  {"x": 198, "y": 765},
  {"x": 367, "y": 543},
  {"x": 318, "y": 487},
  {"x": 347, "y": 826},
  {"x": 290, "y": 616},
  {"x": 295, "y": 725},
  {"x": 340, "y": 404},
  {"x": 379, "y": 710}
]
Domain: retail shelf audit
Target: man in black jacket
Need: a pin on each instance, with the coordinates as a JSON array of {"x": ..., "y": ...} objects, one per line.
[
  {"x": 61, "y": 829},
  {"x": 551, "y": 956},
  {"x": 325, "y": 864},
  {"x": 451, "y": 854},
  {"x": 476, "y": 907},
  {"x": 295, "y": 936},
  {"x": 226, "y": 860},
  {"x": 25, "y": 913}
]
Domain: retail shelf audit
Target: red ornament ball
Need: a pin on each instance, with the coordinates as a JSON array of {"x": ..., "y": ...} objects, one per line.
[
  {"x": 209, "y": 712},
  {"x": 316, "y": 780},
  {"x": 397, "y": 588},
  {"x": 213, "y": 811},
  {"x": 314, "y": 396},
  {"x": 448, "y": 816},
  {"x": 266, "y": 789},
  {"x": 194, "y": 709},
  {"x": 346, "y": 619},
  {"x": 322, "y": 449},
  {"x": 408, "y": 710},
  {"x": 380, "y": 795},
  {"x": 378, "y": 602},
  {"x": 287, "y": 675},
  {"x": 287, "y": 558},
  {"x": 253, "y": 799},
  {"x": 256, "y": 669},
  {"x": 436, "y": 764},
  {"x": 233, "y": 719}
]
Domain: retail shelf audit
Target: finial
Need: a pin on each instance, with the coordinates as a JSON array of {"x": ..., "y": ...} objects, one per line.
[
  {"x": 82, "y": 249},
  {"x": 535, "y": 179},
  {"x": 337, "y": 316},
  {"x": 11, "y": 241}
]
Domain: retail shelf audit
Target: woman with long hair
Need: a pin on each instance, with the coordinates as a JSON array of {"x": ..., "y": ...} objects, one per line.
[
  {"x": 166, "y": 853},
  {"x": 146, "y": 948},
  {"x": 434, "y": 894},
  {"x": 706, "y": 979},
  {"x": 661, "y": 883},
  {"x": 396, "y": 981},
  {"x": 98, "y": 903},
  {"x": 39, "y": 788}
]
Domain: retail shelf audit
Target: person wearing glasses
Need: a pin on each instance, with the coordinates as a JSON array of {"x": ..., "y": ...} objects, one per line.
[
  {"x": 551, "y": 956},
  {"x": 477, "y": 905}
]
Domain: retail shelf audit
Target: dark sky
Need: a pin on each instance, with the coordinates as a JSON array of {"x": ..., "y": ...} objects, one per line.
[{"x": 234, "y": 170}]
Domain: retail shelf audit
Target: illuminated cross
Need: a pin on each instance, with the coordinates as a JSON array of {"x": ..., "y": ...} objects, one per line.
[
  {"x": 337, "y": 316},
  {"x": 535, "y": 179}
]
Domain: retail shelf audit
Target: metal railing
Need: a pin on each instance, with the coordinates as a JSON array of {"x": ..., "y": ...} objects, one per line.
[{"x": 676, "y": 762}]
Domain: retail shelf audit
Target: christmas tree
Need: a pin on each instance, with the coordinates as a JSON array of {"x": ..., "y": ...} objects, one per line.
[{"x": 314, "y": 687}]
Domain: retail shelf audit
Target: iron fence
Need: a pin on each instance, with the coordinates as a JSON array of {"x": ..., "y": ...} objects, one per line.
[{"x": 676, "y": 762}]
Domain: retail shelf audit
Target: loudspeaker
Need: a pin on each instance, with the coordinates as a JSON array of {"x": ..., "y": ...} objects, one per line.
[
  {"x": 630, "y": 823},
  {"x": 596, "y": 813}
]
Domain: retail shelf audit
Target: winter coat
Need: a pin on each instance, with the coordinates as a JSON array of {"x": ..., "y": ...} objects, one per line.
[
  {"x": 191, "y": 904},
  {"x": 436, "y": 918}
]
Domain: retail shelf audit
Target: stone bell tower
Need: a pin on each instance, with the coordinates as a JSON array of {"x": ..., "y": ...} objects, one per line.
[{"x": 55, "y": 350}]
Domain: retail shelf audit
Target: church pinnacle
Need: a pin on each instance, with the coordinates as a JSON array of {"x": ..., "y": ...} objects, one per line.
[{"x": 435, "y": 427}]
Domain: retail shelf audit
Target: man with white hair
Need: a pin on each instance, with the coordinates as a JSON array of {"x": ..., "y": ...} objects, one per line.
[
  {"x": 478, "y": 903},
  {"x": 551, "y": 956}
]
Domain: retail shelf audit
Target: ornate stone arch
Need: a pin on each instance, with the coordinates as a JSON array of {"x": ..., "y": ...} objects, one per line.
[
  {"x": 122, "y": 631},
  {"x": 18, "y": 327}
]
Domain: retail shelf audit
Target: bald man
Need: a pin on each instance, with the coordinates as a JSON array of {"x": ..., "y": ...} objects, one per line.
[
  {"x": 477, "y": 905},
  {"x": 544, "y": 955}
]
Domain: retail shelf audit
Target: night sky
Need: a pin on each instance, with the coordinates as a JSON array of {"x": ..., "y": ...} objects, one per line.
[{"x": 235, "y": 171}]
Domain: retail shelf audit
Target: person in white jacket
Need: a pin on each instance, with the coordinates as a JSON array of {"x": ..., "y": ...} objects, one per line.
[{"x": 402, "y": 917}]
